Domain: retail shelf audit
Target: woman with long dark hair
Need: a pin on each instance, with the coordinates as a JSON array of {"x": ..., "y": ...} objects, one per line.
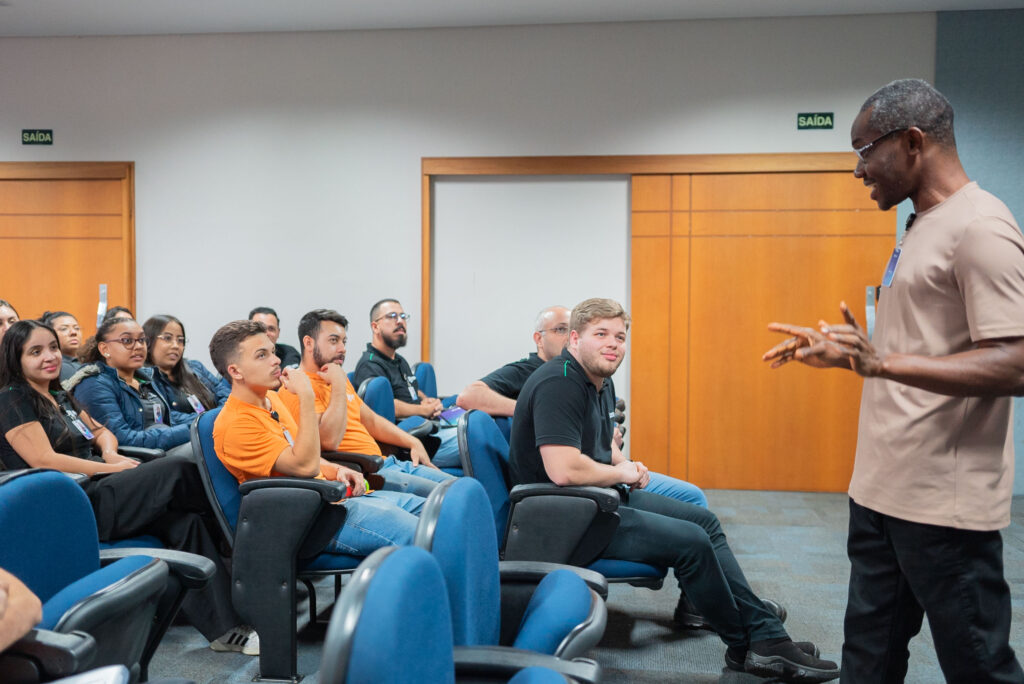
[
  {"x": 41, "y": 426},
  {"x": 186, "y": 383},
  {"x": 118, "y": 392}
]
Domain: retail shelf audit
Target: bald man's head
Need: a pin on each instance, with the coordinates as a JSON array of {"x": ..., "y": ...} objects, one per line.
[{"x": 551, "y": 331}]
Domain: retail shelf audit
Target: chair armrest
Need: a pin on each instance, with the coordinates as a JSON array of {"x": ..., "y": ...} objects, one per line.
[
  {"x": 607, "y": 499},
  {"x": 48, "y": 655},
  {"x": 532, "y": 572},
  {"x": 427, "y": 427},
  {"x": 329, "y": 491},
  {"x": 141, "y": 453},
  {"x": 193, "y": 570},
  {"x": 367, "y": 463},
  {"x": 570, "y": 525},
  {"x": 500, "y": 661}
]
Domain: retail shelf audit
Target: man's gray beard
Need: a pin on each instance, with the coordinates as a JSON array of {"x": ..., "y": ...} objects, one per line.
[{"x": 395, "y": 343}]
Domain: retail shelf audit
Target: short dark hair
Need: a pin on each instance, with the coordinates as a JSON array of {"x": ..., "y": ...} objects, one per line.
[
  {"x": 225, "y": 342},
  {"x": 911, "y": 102},
  {"x": 309, "y": 324},
  {"x": 376, "y": 307},
  {"x": 265, "y": 310}
]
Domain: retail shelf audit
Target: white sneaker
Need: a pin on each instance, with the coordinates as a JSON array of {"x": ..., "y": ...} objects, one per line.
[{"x": 241, "y": 639}]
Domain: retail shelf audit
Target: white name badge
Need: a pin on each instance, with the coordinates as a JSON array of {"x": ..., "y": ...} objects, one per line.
[
  {"x": 158, "y": 413},
  {"x": 196, "y": 405},
  {"x": 288, "y": 436},
  {"x": 79, "y": 425}
]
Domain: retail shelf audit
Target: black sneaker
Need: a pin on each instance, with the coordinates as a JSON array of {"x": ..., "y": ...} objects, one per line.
[
  {"x": 787, "y": 662},
  {"x": 736, "y": 656},
  {"x": 687, "y": 616},
  {"x": 777, "y": 608}
]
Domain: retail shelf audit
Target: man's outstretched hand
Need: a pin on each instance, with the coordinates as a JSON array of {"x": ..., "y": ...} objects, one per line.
[{"x": 830, "y": 346}]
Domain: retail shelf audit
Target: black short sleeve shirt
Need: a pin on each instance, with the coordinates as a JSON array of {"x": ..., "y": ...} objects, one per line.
[
  {"x": 508, "y": 380},
  {"x": 17, "y": 408},
  {"x": 290, "y": 357},
  {"x": 557, "y": 405},
  {"x": 403, "y": 381}
]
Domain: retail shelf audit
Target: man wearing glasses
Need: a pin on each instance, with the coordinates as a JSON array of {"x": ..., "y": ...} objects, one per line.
[
  {"x": 388, "y": 323},
  {"x": 933, "y": 475}
]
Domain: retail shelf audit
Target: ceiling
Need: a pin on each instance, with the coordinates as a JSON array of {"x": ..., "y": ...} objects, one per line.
[{"x": 144, "y": 17}]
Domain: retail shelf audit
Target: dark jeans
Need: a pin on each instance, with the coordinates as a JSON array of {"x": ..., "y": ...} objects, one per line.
[
  {"x": 902, "y": 570},
  {"x": 165, "y": 498},
  {"x": 688, "y": 538}
]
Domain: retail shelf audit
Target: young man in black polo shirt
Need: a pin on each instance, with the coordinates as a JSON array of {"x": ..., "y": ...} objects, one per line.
[
  {"x": 560, "y": 434},
  {"x": 290, "y": 357}
]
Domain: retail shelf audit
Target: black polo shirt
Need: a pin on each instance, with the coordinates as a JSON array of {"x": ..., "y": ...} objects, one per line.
[
  {"x": 290, "y": 356},
  {"x": 403, "y": 381},
  {"x": 558, "y": 405},
  {"x": 508, "y": 380}
]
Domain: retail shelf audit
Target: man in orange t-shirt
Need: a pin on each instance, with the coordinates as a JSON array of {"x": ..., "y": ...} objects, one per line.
[
  {"x": 346, "y": 423},
  {"x": 256, "y": 435}
]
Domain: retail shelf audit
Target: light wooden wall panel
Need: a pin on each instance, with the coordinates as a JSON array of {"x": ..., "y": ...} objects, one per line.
[
  {"x": 791, "y": 191},
  {"x": 793, "y": 223},
  {"x": 65, "y": 228}
]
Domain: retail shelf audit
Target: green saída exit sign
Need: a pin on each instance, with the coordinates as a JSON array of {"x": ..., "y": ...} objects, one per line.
[
  {"x": 811, "y": 120},
  {"x": 37, "y": 136}
]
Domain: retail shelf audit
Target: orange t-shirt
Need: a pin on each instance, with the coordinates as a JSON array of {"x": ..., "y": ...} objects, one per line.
[
  {"x": 249, "y": 440},
  {"x": 356, "y": 439}
]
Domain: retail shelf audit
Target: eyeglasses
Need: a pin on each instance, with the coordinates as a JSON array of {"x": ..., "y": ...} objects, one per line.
[
  {"x": 170, "y": 339},
  {"x": 129, "y": 342},
  {"x": 558, "y": 330},
  {"x": 861, "y": 152},
  {"x": 394, "y": 316}
]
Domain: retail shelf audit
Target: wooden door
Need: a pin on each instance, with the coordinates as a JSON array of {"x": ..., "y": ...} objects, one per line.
[
  {"x": 65, "y": 228},
  {"x": 715, "y": 258}
]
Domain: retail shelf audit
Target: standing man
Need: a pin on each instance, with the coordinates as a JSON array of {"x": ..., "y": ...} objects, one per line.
[
  {"x": 496, "y": 394},
  {"x": 268, "y": 317},
  {"x": 933, "y": 474},
  {"x": 561, "y": 434},
  {"x": 346, "y": 422}
]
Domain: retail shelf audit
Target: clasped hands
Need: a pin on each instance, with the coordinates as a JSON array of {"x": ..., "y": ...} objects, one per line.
[{"x": 830, "y": 346}]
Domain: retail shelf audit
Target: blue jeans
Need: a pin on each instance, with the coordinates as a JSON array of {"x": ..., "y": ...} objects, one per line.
[
  {"x": 375, "y": 520},
  {"x": 403, "y": 476},
  {"x": 676, "y": 489},
  {"x": 447, "y": 455}
]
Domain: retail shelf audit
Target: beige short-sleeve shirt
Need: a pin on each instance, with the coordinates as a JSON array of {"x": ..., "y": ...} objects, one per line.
[{"x": 928, "y": 457}]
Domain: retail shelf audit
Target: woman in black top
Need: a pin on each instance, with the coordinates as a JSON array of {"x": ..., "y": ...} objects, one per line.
[{"x": 41, "y": 426}]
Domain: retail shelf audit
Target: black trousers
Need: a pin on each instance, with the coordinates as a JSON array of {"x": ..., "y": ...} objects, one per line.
[
  {"x": 165, "y": 498},
  {"x": 688, "y": 538},
  {"x": 901, "y": 571}
]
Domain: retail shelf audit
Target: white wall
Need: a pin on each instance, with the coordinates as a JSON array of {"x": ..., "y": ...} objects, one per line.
[
  {"x": 507, "y": 247},
  {"x": 283, "y": 169}
]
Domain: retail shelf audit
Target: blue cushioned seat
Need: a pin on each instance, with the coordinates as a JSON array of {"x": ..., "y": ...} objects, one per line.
[{"x": 558, "y": 614}]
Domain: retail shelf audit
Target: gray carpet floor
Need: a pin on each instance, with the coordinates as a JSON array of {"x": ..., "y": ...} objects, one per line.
[{"x": 792, "y": 548}]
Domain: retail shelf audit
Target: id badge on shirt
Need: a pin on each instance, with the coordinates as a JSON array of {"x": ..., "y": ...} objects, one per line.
[
  {"x": 288, "y": 436},
  {"x": 158, "y": 413},
  {"x": 196, "y": 405},
  {"x": 890, "y": 269},
  {"x": 79, "y": 425},
  {"x": 412, "y": 390}
]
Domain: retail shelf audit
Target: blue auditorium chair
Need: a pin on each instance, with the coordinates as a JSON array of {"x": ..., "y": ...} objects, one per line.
[
  {"x": 545, "y": 522},
  {"x": 541, "y": 607},
  {"x": 277, "y": 527},
  {"x": 392, "y": 625},
  {"x": 48, "y": 539}
]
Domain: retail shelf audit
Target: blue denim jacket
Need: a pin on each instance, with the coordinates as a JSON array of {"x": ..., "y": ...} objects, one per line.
[
  {"x": 220, "y": 387},
  {"x": 118, "y": 407}
]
